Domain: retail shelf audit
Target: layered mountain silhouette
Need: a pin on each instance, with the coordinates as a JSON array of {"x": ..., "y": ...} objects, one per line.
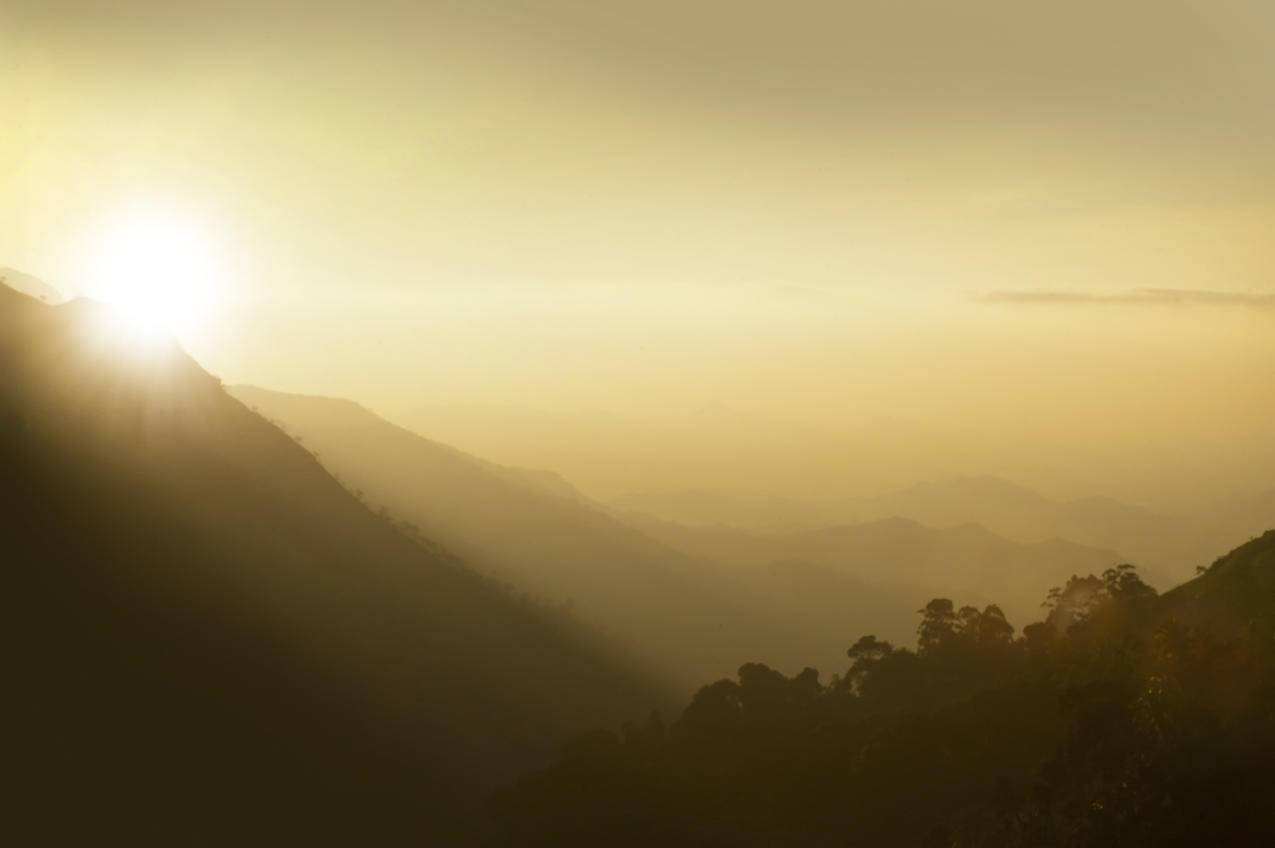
[
  {"x": 1167, "y": 547},
  {"x": 211, "y": 641},
  {"x": 693, "y": 600},
  {"x": 687, "y": 617},
  {"x": 897, "y": 556},
  {"x": 246, "y": 617}
]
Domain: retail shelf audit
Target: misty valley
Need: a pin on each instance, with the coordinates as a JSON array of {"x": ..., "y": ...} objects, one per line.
[
  {"x": 637, "y": 424},
  {"x": 241, "y": 616}
]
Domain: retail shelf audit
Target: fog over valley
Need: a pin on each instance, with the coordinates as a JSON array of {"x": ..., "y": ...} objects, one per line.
[{"x": 632, "y": 424}]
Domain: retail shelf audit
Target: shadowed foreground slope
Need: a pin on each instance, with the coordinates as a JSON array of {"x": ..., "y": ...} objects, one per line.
[
  {"x": 1123, "y": 719},
  {"x": 209, "y": 641}
]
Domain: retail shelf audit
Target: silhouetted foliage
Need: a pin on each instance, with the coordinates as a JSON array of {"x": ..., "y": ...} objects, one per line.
[
  {"x": 208, "y": 641},
  {"x": 1113, "y": 722},
  {"x": 211, "y": 641}
]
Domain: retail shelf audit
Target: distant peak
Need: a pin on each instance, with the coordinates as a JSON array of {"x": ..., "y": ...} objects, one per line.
[{"x": 30, "y": 286}]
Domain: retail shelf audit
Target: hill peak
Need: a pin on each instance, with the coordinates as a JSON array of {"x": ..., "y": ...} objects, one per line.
[{"x": 30, "y": 286}]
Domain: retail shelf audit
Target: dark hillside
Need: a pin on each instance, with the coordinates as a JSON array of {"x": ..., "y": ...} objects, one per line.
[
  {"x": 1122, "y": 719},
  {"x": 209, "y": 641},
  {"x": 1235, "y": 593}
]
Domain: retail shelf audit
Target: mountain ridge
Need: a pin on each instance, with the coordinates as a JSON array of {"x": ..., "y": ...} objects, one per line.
[
  {"x": 561, "y": 548},
  {"x": 1165, "y": 546},
  {"x": 238, "y": 619}
]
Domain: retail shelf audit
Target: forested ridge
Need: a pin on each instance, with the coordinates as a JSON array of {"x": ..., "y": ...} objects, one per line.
[{"x": 1122, "y": 718}]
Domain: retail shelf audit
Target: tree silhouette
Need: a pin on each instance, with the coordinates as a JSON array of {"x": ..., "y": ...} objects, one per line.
[
  {"x": 1112, "y": 723},
  {"x": 938, "y": 625}
]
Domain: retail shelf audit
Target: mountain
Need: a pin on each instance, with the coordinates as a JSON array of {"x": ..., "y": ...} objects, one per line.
[
  {"x": 721, "y": 595},
  {"x": 1235, "y": 594},
  {"x": 1122, "y": 719},
  {"x": 897, "y": 558},
  {"x": 30, "y": 286},
  {"x": 684, "y": 616},
  {"x": 209, "y": 640},
  {"x": 1165, "y": 546}
]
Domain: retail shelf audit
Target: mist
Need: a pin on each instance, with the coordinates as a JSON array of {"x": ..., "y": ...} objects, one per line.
[{"x": 639, "y": 424}]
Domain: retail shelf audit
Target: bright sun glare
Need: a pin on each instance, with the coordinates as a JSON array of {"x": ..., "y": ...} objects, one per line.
[{"x": 157, "y": 269}]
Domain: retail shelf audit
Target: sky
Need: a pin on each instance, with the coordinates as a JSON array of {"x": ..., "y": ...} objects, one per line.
[{"x": 1046, "y": 224}]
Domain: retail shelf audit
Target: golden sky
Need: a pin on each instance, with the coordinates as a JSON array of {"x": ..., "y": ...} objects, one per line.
[{"x": 1019, "y": 217}]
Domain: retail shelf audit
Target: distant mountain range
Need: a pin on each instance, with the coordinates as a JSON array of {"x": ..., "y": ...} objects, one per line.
[
  {"x": 691, "y": 600},
  {"x": 1166, "y": 547},
  {"x": 247, "y": 617},
  {"x": 687, "y": 617},
  {"x": 967, "y": 563}
]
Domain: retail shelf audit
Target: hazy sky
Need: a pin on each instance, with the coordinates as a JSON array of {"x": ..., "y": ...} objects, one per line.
[{"x": 964, "y": 212}]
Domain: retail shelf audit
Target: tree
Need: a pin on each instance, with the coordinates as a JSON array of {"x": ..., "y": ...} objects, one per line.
[
  {"x": 869, "y": 649},
  {"x": 938, "y": 625},
  {"x": 1074, "y": 603},
  {"x": 993, "y": 627},
  {"x": 1123, "y": 584}
]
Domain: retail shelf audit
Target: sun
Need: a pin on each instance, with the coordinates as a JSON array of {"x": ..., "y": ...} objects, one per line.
[{"x": 157, "y": 268}]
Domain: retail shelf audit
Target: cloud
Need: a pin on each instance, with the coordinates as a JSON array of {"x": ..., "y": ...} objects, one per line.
[{"x": 1133, "y": 297}]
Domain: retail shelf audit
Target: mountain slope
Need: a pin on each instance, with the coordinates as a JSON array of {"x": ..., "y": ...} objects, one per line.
[
  {"x": 1235, "y": 594},
  {"x": 683, "y": 615},
  {"x": 210, "y": 641}
]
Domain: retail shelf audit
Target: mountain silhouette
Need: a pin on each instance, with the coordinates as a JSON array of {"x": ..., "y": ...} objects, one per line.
[
  {"x": 1234, "y": 594},
  {"x": 211, "y": 641},
  {"x": 1166, "y": 546},
  {"x": 685, "y": 616},
  {"x": 1122, "y": 719},
  {"x": 892, "y": 562}
]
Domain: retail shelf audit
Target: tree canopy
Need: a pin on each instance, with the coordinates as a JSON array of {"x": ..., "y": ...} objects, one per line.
[{"x": 1110, "y": 722}]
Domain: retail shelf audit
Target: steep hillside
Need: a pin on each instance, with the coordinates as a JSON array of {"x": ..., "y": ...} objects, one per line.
[
  {"x": 1236, "y": 593},
  {"x": 210, "y": 641},
  {"x": 687, "y": 617}
]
